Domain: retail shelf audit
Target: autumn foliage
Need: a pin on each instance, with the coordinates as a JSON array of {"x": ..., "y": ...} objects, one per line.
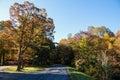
[
  {"x": 96, "y": 52},
  {"x": 26, "y": 39}
]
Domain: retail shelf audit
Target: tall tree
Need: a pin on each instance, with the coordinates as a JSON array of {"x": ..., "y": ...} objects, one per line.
[{"x": 30, "y": 22}]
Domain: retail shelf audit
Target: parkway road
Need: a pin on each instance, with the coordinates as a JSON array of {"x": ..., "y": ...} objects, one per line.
[{"x": 55, "y": 72}]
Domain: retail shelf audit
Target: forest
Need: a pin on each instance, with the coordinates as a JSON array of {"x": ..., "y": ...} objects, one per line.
[{"x": 27, "y": 39}]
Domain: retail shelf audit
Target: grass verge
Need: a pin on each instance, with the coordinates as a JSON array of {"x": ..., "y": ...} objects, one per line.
[
  {"x": 26, "y": 69},
  {"x": 76, "y": 75}
]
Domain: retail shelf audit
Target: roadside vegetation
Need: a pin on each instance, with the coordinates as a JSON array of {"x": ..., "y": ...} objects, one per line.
[{"x": 76, "y": 75}]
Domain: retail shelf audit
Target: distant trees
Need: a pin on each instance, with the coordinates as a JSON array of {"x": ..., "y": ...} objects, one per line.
[
  {"x": 100, "y": 31},
  {"x": 65, "y": 52},
  {"x": 42, "y": 53},
  {"x": 6, "y": 40}
]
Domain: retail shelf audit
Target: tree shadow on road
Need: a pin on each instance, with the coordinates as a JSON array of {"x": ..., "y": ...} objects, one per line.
[{"x": 31, "y": 76}]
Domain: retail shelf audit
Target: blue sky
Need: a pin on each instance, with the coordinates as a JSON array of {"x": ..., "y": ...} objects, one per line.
[{"x": 71, "y": 16}]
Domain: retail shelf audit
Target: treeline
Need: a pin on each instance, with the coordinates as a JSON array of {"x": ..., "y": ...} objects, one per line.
[{"x": 96, "y": 52}]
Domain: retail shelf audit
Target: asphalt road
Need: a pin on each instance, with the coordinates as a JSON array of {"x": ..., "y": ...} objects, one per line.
[{"x": 55, "y": 72}]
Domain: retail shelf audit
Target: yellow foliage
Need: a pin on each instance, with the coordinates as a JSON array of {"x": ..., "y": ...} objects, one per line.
[
  {"x": 110, "y": 46},
  {"x": 106, "y": 36}
]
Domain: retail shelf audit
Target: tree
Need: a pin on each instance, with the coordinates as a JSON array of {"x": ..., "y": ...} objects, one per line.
[
  {"x": 30, "y": 23},
  {"x": 100, "y": 31},
  {"x": 65, "y": 52},
  {"x": 43, "y": 53}
]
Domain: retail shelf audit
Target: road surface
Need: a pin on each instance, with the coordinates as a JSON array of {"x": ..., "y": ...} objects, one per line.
[{"x": 56, "y": 72}]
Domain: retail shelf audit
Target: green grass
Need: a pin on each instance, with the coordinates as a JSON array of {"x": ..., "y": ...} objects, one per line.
[
  {"x": 26, "y": 69},
  {"x": 76, "y": 75}
]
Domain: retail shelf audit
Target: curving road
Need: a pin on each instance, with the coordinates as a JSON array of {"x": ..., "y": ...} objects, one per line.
[{"x": 55, "y": 72}]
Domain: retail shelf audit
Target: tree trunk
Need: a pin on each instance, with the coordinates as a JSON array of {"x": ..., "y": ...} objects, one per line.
[
  {"x": 0, "y": 59},
  {"x": 20, "y": 59},
  {"x": 3, "y": 61},
  {"x": 20, "y": 56}
]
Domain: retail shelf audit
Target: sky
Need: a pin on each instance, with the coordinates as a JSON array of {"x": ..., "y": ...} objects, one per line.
[{"x": 72, "y": 16}]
